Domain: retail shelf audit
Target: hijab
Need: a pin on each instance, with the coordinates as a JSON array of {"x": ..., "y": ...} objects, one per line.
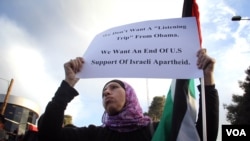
[{"x": 131, "y": 117}]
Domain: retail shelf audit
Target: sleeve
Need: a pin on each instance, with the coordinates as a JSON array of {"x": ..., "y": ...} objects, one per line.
[
  {"x": 50, "y": 122},
  {"x": 212, "y": 113}
]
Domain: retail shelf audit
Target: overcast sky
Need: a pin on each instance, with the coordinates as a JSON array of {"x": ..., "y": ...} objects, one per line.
[{"x": 37, "y": 37}]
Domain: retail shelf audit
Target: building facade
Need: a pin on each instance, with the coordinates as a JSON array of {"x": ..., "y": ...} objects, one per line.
[{"x": 19, "y": 113}]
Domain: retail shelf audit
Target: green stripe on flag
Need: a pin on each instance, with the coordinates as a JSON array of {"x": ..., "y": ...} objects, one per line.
[
  {"x": 164, "y": 128},
  {"x": 192, "y": 88}
]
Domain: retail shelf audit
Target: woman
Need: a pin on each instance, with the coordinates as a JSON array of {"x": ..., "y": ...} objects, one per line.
[{"x": 123, "y": 119}]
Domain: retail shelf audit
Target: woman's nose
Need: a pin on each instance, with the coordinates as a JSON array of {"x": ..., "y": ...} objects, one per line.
[{"x": 106, "y": 92}]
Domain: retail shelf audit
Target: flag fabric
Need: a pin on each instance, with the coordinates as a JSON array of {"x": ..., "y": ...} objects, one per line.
[
  {"x": 179, "y": 116},
  {"x": 178, "y": 119}
]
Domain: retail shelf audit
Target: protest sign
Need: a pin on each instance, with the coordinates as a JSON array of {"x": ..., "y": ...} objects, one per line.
[{"x": 151, "y": 49}]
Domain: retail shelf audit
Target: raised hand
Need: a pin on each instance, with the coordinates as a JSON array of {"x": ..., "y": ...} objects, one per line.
[{"x": 71, "y": 68}]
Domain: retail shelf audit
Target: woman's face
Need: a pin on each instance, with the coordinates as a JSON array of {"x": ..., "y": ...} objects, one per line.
[{"x": 113, "y": 98}]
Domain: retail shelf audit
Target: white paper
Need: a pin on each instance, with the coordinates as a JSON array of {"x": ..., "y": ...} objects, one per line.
[{"x": 152, "y": 49}]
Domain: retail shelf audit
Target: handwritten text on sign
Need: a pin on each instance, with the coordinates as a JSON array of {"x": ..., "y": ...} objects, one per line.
[{"x": 151, "y": 49}]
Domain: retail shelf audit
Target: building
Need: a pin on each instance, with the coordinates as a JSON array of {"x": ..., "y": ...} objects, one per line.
[{"x": 20, "y": 113}]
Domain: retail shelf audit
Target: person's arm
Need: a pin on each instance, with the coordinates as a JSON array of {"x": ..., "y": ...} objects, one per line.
[
  {"x": 212, "y": 113},
  {"x": 211, "y": 97},
  {"x": 50, "y": 123}
]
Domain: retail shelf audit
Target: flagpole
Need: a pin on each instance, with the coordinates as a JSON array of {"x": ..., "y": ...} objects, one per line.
[
  {"x": 203, "y": 102},
  {"x": 3, "y": 106}
]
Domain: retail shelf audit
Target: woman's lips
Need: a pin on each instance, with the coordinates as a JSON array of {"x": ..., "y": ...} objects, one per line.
[{"x": 108, "y": 100}]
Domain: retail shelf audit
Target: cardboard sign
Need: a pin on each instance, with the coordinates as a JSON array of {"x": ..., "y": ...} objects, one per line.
[{"x": 152, "y": 49}]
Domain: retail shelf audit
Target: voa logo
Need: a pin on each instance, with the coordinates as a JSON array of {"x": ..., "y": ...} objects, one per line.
[{"x": 236, "y": 132}]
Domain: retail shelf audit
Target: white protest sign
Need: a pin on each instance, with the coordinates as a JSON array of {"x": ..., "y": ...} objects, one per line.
[{"x": 151, "y": 49}]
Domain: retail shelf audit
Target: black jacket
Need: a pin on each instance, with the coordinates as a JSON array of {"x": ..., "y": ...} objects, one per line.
[{"x": 50, "y": 125}]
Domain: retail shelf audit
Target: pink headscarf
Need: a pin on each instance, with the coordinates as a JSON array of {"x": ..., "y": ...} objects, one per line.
[{"x": 131, "y": 116}]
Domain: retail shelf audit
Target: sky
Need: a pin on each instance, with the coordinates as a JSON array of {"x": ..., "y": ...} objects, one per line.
[{"x": 38, "y": 37}]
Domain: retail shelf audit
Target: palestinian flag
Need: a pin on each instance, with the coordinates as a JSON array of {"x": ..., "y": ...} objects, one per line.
[{"x": 179, "y": 115}]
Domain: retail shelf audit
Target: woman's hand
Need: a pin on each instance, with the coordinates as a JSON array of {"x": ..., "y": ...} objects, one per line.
[
  {"x": 206, "y": 63},
  {"x": 71, "y": 68}
]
